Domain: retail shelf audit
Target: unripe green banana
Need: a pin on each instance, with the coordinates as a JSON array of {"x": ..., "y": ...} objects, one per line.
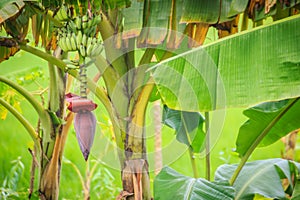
[
  {"x": 97, "y": 19},
  {"x": 62, "y": 44},
  {"x": 85, "y": 18},
  {"x": 82, "y": 50},
  {"x": 59, "y": 31},
  {"x": 89, "y": 41},
  {"x": 58, "y": 16},
  {"x": 94, "y": 40},
  {"x": 68, "y": 42},
  {"x": 73, "y": 42},
  {"x": 62, "y": 14},
  {"x": 84, "y": 40},
  {"x": 91, "y": 31},
  {"x": 97, "y": 50},
  {"x": 78, "y": 22},
  {"x": 72, "y": 27},
  {"x": 89, "y": 49},
  {"x": 58, "y": 37},
  {"x": 89, "y": 24},
  {"x": 79, "y": 39}
]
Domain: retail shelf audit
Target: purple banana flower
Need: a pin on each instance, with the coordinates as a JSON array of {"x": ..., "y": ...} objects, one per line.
[{"x": 84, "y": 122}]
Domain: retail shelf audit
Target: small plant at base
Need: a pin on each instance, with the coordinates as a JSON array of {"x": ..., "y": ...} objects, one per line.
[{"x": 9, "y": 186}]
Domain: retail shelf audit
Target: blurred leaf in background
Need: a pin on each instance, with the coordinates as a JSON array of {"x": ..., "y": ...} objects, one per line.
[{"x": 9, "y": 186}]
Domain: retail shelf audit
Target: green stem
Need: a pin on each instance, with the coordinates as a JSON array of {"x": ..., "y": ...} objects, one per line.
[
  {"x": 193, "y": 163},
  {"x": 54, "y": 96},
  {"x": 109, "y": 74},
  {"x": 191, "y": 152},
  {"x": 245, "y": 22},
  {"x": 24, "y": 122},
  {"x": 258, "y": 140},
  {"x": 130, "y": 57},
  {"x": 82, "y": 77},
  {"x": 147, "y": 56},
  {"x": 43, "y": 114},
  {"x": 207, "y": 146},
  {"x": 56, "y": 84},
  {"x": 59, "y": 63},
  {"x": 113, "y": 55}
]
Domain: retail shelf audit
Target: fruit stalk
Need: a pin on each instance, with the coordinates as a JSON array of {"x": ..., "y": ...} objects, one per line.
[{"x": 83, "y": 78}]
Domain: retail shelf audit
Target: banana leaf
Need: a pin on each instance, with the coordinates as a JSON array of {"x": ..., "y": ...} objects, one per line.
[
  {"x": 155, "y": 22},
  {"x": 133, "y": 25},
  {"x": 188, "y": 126},
  {"x": 170, "y": 185},
  {"x": 261, "y": 177},
  {"x": 268, "y": 122},
  {"x": 9, "y": 8},
  {"x": 238, "y": 71},
  {"x": 215, "y": 11}
]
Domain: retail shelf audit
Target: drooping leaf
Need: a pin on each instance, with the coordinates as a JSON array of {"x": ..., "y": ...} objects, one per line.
[
  {"x": 112, "y": 4},
  {"x": 176, "y": 28},
  {"x": 17, "y": 27},
  {"x": 9, "y": 8},
  {"x": 237, "y": 6},
  {"x": 261, "y": 177},
  {"x": 155, "y": 22},
  {"x": 170, "y": 185},
  {"x": 8, "y": 48},
  {"x": 133, "y": 25},
  {"x": 212, "y": 12},
  {"x": 188, "y": 127},
  {"x": 268, "y": 122},
  {"x": 197, "y": 80}
]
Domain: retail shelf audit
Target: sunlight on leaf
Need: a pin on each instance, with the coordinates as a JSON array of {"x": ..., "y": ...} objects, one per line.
[
  {"x": 190, "y": 81},
  {"x": 265, "y": 177},
  {"x": 170, "y": 185},
  {"x": 267, "y": 116}
]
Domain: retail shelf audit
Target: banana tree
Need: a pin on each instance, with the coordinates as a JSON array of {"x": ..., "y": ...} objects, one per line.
[{"x": 203, "y": 79}]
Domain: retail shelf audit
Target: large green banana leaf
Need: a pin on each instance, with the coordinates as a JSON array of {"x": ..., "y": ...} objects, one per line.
[
  {"x": 171, "y": 185},
  {"x": 261, "y": 177},
  {"x": 268, "y": 122},
  {"x": 241, "y": 70}
]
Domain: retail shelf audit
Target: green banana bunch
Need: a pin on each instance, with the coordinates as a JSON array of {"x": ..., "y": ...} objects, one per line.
[
  {"x": 89, "y": 46},
  {"x": 87, "y": 25},
  {"x": 63, "y": 14},
  {"x": 78, "y": 34}
]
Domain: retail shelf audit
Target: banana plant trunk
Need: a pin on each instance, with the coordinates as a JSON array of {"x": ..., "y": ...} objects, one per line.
[
  {"x": 52, "y": 148},
  {"x": 135, "y": 172}
]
